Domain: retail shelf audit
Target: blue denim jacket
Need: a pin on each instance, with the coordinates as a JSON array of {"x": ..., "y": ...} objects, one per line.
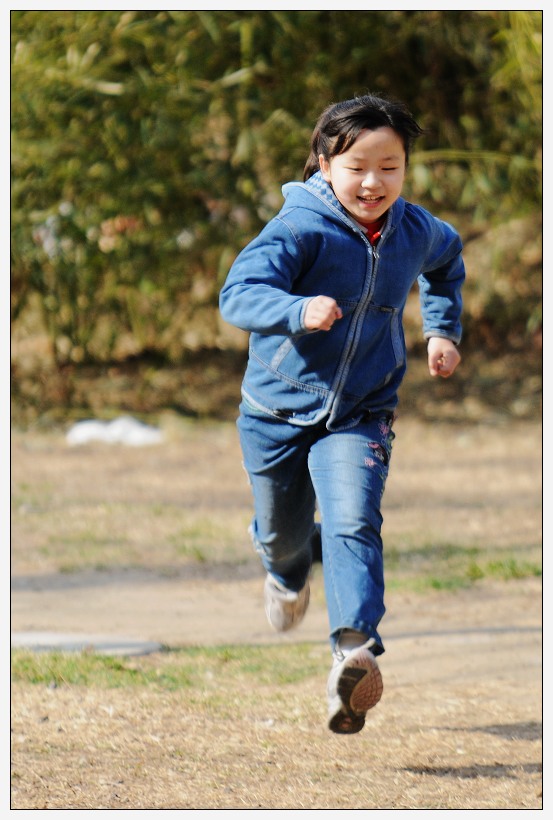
[{"x": 313, "y": 247}]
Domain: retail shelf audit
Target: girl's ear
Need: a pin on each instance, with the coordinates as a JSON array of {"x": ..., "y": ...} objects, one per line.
[{"x": 324, "y": 165}]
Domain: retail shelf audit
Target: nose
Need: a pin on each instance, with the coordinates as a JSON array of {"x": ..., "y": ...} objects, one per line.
[{"x": 371, "y": 180}]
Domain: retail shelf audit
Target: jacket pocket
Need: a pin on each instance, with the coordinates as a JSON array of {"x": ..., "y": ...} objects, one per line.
[{"x": 385, "y": 329}]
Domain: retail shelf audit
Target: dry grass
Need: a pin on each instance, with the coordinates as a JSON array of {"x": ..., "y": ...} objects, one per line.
[
  {"x": 470, "y": 493},
  {"x": 459, "y": 724},
  {"x": 229, "y": 742}
]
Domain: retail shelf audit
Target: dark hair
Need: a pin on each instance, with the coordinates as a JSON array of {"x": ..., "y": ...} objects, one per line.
[{"x": 341, "y": 123}]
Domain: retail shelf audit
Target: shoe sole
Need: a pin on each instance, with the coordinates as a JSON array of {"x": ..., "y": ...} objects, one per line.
[{"x": 359, "y": 688}]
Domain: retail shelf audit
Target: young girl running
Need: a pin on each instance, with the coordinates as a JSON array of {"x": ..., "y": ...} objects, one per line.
[{"x": 321, "y": 291}]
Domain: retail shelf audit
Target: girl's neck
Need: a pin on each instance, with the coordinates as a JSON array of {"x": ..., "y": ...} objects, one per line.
[{"x": 374, "y": 226}]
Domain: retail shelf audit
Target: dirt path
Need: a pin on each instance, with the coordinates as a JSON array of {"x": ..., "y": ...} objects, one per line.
[
  {"x": 470, "y": 633},
  {"x": 477, "y": 632},
  {"x": 196, "y": 611}
]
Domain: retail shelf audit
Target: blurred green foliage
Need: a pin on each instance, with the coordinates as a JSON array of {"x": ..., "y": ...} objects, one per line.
[{"x": 150, "y": 146}]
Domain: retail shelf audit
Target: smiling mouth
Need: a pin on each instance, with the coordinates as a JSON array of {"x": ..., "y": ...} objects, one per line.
[{"x": 370, "y": 200}]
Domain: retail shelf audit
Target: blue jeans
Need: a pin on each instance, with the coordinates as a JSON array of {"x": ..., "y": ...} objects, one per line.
[{"x": 295, "y": 470}]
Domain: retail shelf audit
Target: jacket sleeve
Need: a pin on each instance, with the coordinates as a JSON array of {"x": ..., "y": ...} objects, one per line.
[
  {"x": 258, "y": 293},
  {"x": 440, "y": 286}
]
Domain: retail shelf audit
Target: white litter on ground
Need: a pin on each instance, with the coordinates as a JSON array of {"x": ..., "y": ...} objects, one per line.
[{"x": 123, "y": 430}]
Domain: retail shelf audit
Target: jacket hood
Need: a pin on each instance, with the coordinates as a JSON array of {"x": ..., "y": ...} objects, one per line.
[{"x": 317, "y": 195}]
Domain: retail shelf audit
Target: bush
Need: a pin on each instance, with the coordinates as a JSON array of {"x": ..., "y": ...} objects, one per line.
[{"x": 150, "y": 146}]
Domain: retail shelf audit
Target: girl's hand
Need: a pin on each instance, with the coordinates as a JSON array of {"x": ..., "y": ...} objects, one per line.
[
  {"x": 443, "y": 357},
  {"x": 321, "y": 313}
]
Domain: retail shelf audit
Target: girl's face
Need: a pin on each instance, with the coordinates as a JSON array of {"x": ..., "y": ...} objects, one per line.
[{"x": 368, "y": 177}]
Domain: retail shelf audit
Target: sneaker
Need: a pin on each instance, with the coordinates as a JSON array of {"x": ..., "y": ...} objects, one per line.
[
  {"x": 284, "y": 609},
  {"x": 354, "y": 687}
]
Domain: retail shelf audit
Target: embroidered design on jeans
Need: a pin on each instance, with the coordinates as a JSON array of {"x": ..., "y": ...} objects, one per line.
[{"x": 379, "y": 452}]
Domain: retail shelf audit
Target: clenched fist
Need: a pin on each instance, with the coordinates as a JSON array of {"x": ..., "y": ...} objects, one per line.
[
  {"x": 321, "y": 313},
  {"x": 443, "y": 357}
]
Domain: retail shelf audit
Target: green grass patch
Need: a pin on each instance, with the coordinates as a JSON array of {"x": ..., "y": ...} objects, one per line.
[
  {"x": 508, "y": 569},
  {"x": 87, "y": 669},
  {"x": 200, "y": 540},
  {"x": 190, "y": 668},
  {"x": 453, "y": 566}
]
